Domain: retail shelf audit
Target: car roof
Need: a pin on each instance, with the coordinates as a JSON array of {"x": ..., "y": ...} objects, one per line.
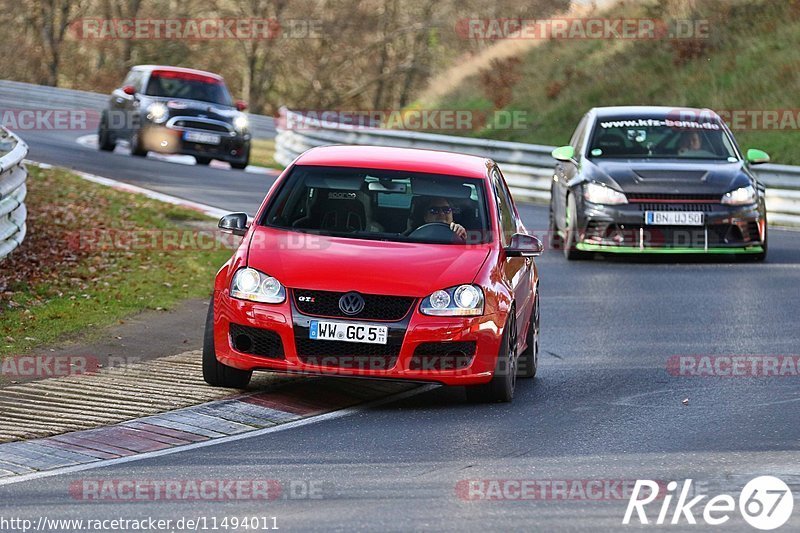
[
  {"x": 651, "y": 111},
  {"x": 150, "y": 68},
  {"x": 403, "y": 159}
]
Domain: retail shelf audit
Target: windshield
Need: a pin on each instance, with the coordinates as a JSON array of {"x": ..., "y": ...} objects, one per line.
[
  {"x": 191, "y": 87},
  {"x": 384, "y": 205},
  {"x": 660, "y": 138}
]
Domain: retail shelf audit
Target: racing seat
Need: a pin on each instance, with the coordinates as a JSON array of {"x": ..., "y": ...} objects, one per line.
[{"x": 332, "y": 210}]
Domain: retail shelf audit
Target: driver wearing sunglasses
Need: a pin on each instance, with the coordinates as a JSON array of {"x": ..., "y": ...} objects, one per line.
[{"x": 440, "y": 210}]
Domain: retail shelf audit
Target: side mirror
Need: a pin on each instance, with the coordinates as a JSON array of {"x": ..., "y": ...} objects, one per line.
[
  {"x": 235, "y": 223},
  {"x": 129, "y": 89},
  {"x": 241, "y": 105},
  {"x": 564, "y": 153},
  {"x": 523, "y": 245},
  {"x": 757, "y": 157}
]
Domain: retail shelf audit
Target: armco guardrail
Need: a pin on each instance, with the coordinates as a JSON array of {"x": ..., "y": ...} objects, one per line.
[
  {"x": 12, "y": 192},
  {"x": 24, "y": 96},
  {"x": 527, "y": 167}
]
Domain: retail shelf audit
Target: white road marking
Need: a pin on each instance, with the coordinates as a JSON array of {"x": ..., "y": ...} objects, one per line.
[
  {"x": 213, "y": 212},
  {"x": 90, "y": 141},
  {"x": 222, "y": 440}
]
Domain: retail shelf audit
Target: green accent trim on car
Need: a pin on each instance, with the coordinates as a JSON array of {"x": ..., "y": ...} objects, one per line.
[
  {"x": 757, "y": 157},
  {"x": 563, "y": 153},
  {"x": 586, "y": 247}
]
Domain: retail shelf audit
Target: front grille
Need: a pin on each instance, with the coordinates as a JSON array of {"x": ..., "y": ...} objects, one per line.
[
  {"x": 675, "y": 236},
  {"x": 344, "y": 354},
  {"x": 443, "y": 355},
  {"x": 654, "y": 197},
  {"x": 705, "y": 208},
  {"x": 376, "y": 306},
  {"x": 197, "y": 125},
  {"x": 256, "y": 341}
]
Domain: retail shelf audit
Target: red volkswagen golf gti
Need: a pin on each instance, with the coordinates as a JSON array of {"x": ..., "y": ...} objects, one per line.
[{"x": 378, "y": 262}]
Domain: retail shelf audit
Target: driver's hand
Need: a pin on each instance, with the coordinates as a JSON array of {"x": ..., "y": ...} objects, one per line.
[{"x": 459, "y": 230}]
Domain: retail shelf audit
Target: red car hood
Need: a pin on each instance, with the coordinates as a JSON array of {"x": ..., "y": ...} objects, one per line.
[{"x": 300, "y": 260}]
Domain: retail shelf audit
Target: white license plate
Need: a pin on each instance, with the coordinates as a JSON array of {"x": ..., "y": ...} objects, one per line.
[
  {"x": 348, "y": 332},
  {"x": 674, "y": 218},
  {"x": 200, "y": 137}
]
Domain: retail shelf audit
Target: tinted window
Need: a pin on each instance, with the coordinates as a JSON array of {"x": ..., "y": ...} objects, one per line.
[
  {"x": 189, "y": 87},
  {"x": 379, "y": 204},
  {"x": 508, "y": 222},
  {"x": 660, "y": 137}
]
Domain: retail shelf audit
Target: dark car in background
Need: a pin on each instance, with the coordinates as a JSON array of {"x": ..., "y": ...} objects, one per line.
[
  {"x": 656, "y": 180},
  {"x": 178, "y": 111}
]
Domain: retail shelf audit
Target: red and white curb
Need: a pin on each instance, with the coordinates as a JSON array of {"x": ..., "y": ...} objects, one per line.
[{"x": 212, "y": 423}]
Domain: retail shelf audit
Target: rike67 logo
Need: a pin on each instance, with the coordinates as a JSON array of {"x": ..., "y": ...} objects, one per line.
[{"x": 765, "y": 503}]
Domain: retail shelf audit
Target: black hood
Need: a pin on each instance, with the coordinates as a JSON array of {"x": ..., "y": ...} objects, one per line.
[{"x": 668, "y": 176}]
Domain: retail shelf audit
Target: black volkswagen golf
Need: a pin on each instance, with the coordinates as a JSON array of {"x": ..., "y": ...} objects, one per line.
[
  {"x": 178, "y": 111},
  {"x": 656, "y": 180}
]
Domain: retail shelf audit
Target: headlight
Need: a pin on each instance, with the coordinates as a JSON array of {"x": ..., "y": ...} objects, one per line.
[
  {"x": 464, "y": 300},
  {"x": 250, "y": 284},
  {"x": 157, "y": 112},
  {"x": 741, "y": 196},
  {"x": 600, "y": 194},
  {"x": 240, "y": 122}
]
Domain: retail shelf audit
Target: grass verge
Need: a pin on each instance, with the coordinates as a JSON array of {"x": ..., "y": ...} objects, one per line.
[
  {"x": 745, "y": 63},
  {"x": 262, "y": 153},
  {"x": 93, "y": 256}
]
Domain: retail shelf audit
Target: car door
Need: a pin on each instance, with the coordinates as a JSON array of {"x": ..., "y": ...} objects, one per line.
[
  {"x": 517, "y": 270},
  {"x": 565, "y": 171}
]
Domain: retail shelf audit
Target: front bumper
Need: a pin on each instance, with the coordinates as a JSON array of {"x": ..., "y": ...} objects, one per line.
[
  {"x": 233, "y": 146},
  {"x": 622, "y": 229},
  {"x": 289, "y": 350}
]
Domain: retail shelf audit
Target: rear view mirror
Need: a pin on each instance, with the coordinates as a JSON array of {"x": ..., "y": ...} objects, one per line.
[
  {"x": 235, "y": 223},
  {"x": 564, "y": 153},
  {"x": 523, "y": 245},
  {"x": 757, "y": 157},
  {"x": 387, "y": 187},
  {"x": 129, "y": 89},
  {"x": 241, "y": 105}
]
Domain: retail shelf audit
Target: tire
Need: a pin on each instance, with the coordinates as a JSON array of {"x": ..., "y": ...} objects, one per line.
[
  {"x": 136, "y": 145},
  {"x": 501, "y": 387},
  {"x": 556, "y": 240},
  {"x": 571, "y": 252},
  {"x": 202, "y": 160},
  {"x": 529, "y": 359},
  {"x": 215, "y": 373},
  {"x": 105, "y": 142}
]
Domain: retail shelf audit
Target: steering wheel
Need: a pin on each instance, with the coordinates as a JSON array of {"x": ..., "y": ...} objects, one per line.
[{"x": 435, "y": 231}]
